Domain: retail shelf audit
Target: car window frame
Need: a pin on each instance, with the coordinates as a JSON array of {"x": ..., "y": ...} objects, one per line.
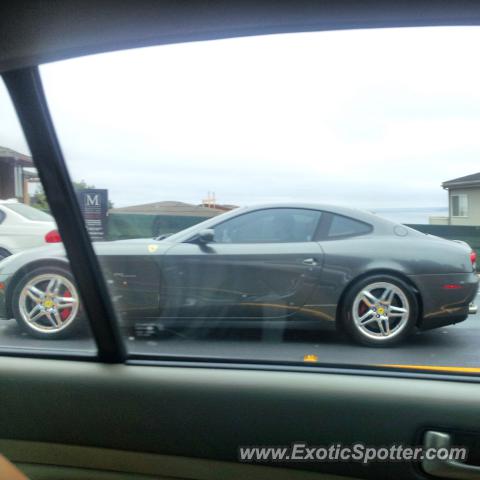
[
  {"x": 92, "y": 267},
  {"x": 314, "y": 235},
  {"x": 26, "y": 92}
]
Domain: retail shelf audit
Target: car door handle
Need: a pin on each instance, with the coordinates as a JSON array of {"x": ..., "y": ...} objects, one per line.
[
  {"x": 310, "y": 261},
  {"x": 446, "y": 468}
]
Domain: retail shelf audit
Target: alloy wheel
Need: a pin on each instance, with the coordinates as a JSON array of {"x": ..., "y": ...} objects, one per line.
[
  {"x": 48, "y": 303},
  {"x": 380, "y": 310}
]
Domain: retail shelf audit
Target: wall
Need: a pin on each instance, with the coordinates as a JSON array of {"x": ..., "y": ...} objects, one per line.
[
  {"x": 122, "y": 226},
  {"x": 7, "y": 181},
  {"x": 438, "y": 220}
]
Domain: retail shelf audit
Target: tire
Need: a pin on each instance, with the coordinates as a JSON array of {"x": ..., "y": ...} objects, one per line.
[
  {"x": 375, "y": 318},
  {"x": 53, "y": 318},
  {"x": 4, "y": 253}
]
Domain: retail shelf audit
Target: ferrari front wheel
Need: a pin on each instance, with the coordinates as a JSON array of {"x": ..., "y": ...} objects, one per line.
[{"x": 46, "y": 304}]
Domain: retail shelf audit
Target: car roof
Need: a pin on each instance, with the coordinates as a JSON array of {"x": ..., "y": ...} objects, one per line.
[
  {"x": 357, "y": 214},
  {"x": 381, "y": 225}
]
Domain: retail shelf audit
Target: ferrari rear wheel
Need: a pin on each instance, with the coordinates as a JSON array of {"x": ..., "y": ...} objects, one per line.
[
  {"x": 46, "y": 303},
  {"x": 380, "y": 311}
]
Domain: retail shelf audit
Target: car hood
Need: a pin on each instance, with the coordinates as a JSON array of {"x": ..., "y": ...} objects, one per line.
[
  {"x": 140, "y": 246},
  {"x": 136, "y": 246}
]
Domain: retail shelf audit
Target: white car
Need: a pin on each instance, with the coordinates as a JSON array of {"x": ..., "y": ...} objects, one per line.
[{"x": 23, "y": 227}]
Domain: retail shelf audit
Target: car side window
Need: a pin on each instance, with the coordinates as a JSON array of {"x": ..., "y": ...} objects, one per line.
[
  {"x": 2, "y": 216},
  {"x": 341, "y": 226},
  {"x": 276, "y": 225}
]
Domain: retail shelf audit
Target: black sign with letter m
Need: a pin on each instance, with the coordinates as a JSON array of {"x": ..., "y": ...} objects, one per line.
[{"x": 94, "y": 206}]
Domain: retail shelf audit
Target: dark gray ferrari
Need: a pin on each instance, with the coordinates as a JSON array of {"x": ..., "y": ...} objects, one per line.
[{"x": 375, "y": 279}]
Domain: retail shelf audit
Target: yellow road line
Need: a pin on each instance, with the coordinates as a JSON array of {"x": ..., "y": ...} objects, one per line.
[{"x": 435, "y": 368}]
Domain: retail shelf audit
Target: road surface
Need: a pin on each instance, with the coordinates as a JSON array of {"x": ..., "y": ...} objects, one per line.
[{"x": 456, "y": 345}]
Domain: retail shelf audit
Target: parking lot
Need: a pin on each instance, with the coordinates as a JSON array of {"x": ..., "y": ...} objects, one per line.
[{"x": 454, "y": 346}]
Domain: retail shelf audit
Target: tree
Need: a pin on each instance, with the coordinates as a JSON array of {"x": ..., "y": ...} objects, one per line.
[{"x": 39, "y": 199}]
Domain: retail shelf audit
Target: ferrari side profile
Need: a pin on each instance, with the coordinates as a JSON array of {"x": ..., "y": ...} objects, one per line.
[{"x": 377, "y": 280}]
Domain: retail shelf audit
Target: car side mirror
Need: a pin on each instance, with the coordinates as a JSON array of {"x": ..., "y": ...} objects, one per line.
[{"x": 206, "y": 236}]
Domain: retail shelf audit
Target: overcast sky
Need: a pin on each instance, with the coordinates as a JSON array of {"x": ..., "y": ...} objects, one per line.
[{"x": 369, "y": 119}]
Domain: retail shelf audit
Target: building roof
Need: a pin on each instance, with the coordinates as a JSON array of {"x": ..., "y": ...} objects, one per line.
[
  {"x": 169, "y": 208},
  {"x": 11, "y": 156},
  {"x": 472, "y": 180}
]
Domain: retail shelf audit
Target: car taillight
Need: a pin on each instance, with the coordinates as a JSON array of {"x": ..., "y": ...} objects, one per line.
[
  {"x": 452, "y": 286},
  {"x": 53, "y": 237},
  {"x": 473, "y": 257}
]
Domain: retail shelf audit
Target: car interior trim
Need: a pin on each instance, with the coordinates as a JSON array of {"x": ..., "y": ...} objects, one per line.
[
  {"x": 379, "y": 370},
  {"x": 146, "y": 464},
  {"x": 153, "y": 22},
  {"x": 130, "y": 398}
]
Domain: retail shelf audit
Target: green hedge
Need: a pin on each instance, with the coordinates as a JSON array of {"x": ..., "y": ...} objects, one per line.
[
  {"x": 123, "y": 226},
  {"x": 468, "y": 234}
]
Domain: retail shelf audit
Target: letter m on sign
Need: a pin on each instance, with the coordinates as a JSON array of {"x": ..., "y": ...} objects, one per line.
[{"x": 91, "y": 200}]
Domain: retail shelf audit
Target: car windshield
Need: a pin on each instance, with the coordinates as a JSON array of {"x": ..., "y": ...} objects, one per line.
[{"x": 29, "y": 213}]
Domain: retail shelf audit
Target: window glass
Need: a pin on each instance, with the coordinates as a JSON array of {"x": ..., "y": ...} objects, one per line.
[
  {"x": 276, "y": 225},
  {"x": 40, "y": 309},
  {"x": 18, "y": 172},
  {"x": 203, "y": 169},
  {"x": 459, "y": 205},
  {"x": 30, "y": 213},
  {"x": 344, "y": 226}
]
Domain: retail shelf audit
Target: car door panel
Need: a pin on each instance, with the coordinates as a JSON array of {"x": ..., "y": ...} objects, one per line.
[
  {"x": 40, "y": 461},
  {"x": 134, "y": 281},
  {"x": 240, "y": 280},
  {"x": 207, "y": 413}
]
